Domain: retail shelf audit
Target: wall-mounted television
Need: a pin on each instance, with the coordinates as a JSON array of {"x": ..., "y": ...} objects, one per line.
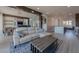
[{"x": 20, "y": 23}]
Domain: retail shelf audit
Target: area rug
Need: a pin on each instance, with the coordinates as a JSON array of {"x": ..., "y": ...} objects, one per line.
[
  {"x": 21, "y": 48},
  {"x": 25, "y": 47}
]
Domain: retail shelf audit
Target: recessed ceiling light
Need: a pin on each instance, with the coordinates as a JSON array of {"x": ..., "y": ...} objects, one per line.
[
  {"x": 38, "y": 8},
  {"x": 32, "y": 11}
]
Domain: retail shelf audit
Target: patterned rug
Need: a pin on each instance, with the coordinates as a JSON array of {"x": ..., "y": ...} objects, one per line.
[
  {"x": 21, "y": 48},
  {"x": 25, "y": 47}
]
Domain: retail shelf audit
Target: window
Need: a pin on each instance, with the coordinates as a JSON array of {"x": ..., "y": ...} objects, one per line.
[{"x": 67, "y": 22}]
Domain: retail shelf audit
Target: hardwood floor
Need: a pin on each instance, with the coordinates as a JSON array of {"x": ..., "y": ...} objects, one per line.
[
  {"x": 70, "y": 43},
  {"x": 5, "y": 44}
]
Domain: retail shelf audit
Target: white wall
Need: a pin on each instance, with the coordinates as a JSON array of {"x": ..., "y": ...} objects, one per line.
[
  {"x": 1, "y": 26},
  {"x": 58, "y": 20}
]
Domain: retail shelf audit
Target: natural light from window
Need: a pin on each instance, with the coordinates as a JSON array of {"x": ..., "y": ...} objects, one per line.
[{"x": 68, "y": 22}]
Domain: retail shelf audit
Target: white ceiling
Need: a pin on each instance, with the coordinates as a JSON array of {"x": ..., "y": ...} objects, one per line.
[{"x": 56, "y": 10}]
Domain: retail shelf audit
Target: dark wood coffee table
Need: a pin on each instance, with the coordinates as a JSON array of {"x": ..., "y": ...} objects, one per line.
[{"x": 44, "y": 44}]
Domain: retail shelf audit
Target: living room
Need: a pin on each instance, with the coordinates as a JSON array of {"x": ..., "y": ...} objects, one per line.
[{"x": 20, "y": 26}]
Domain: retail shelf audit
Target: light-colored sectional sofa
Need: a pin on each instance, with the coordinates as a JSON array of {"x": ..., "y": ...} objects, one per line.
[{"x": 22, "y": 35}]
